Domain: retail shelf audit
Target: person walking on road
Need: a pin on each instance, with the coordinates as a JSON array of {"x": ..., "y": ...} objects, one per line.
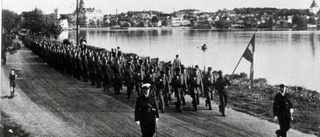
[
  {"x": 12, "y": 78},
  {"x": 146, "y": 112},
  {"x": 282, "y": 111},
  {"x": 221, "y": 86},
  {"x": 208, "y": 84}
]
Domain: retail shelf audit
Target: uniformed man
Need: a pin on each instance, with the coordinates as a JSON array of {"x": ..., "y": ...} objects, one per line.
[
  {"x": 117, "y": 77},
  {"x": 129, "y": 79},
  {"x": 98, "y": 65},
  {"x": 221, "y": 86},
  {"x": 146, "y": 112},
  {"x": 196, "y": 87},
  {"x": 139, "y": 79},
  {"x": 176, "y": 63},
  {"x": 169, "y": 75},
  {"x": 85, "y": 72},
  {"x": 208, "y": 84},
  {"x": 106, "y": 74},
  {"x": 179, "y": 83},
  {"x": 162, "y": 84},
  {"x": 282, "y": 111}
]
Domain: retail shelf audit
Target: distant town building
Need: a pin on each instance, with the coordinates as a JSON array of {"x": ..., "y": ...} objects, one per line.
[
  {"x": 89, "y": 16},
  {"x": 187, "y": 12},
  {"x": 314, "y": 7},
  {"x": 177, "y": 22}
]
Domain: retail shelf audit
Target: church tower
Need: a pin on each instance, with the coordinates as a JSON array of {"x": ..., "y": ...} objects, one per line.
[
  {"x": 314, "y": 7},
  {"x": 81, "y": 5}
]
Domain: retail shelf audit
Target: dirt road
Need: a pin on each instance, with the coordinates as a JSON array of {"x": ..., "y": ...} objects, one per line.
[{"x": 51, "y": 104}]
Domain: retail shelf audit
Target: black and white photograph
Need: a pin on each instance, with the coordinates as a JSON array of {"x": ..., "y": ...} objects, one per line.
[{"x": 160, "y": 68}]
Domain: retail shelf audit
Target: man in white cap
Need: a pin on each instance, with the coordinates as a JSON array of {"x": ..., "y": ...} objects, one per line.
[
  {"x": 282, "y": 110},
  {"x": 146, "y": 112}
]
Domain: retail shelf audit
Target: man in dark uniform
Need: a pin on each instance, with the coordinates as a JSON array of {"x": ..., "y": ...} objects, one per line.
[
  {"x": 85, "y": 62},
  {"x": 139, "y": 79},
  {"x": 282, "y": 111},
  {"x": 129, "y": 79},
  {"x": 221, "y": 86},
  {"x": 98, "y": 65},
  {"x": 146, "y": 112},
  {"x": 179, "y": 83},
  {"x": 196, "y": 87},
  {"x": 162, "y": 84},
  {"x": 92, "y": 69},
  {"x": 117, "y": 77},
  {"x": 208, "y": 82}
]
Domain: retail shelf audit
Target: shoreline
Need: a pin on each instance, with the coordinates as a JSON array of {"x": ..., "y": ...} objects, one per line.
[{"x": 190, "y": 28}]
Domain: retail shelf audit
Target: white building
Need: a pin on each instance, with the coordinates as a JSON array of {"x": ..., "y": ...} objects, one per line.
[
  {"x": 176, "y": 22},
  {"x": 90, "y": 16}
]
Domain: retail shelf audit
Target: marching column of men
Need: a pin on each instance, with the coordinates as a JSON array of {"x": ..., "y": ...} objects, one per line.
[{"x": 114, "y": 69}]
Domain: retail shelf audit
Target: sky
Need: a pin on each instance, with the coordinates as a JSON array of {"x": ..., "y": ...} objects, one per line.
[{"x": 167, "y": 6}]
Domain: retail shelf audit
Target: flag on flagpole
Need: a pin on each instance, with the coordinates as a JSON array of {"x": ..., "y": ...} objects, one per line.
[{"x": 248, "y": 53}]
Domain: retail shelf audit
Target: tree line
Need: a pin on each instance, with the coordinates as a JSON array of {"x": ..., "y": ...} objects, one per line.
[{"x": 33, "y": 22}]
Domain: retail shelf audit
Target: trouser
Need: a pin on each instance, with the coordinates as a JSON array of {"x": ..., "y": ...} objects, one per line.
[
  {"x": 138, "y": 87},
  {"x": 195, "y": 96},
  {"x": 98, "y": 80},
  {"x": 85, "y": 75},
  {"x": 160, "y": 94},
  {"x": 166, "y": 95},
  {"x": 284, "y": 123},
  {"x": 223, "y": 100},
  {"x": 92, "y": 76},
  {"x": 106, "y": 83},
  {"x": 208, "y": 94},
  {"x": 148, "y": 129},
  {"x": 180, "y": 97},
  {"x": 130, "y": 87},
  {"x": 117, "y": 85}
]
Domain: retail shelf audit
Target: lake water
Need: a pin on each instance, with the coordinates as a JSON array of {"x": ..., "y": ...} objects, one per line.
[{"x": 281, "y": 56}]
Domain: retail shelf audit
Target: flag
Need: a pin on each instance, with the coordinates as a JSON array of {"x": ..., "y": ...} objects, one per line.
[{"x": 248, "y": 53}]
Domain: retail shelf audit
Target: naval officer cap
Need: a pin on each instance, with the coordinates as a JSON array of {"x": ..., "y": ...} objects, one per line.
[
  {"x": 145, "y": 86},
  {"x": 283, "y": 84}
]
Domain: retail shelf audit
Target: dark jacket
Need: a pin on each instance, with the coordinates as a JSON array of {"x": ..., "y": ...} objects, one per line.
[
  {"x": 146, "y": 109},
  {"x": 282, "y": 105}
]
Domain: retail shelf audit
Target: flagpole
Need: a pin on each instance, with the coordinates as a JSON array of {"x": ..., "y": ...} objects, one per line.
[
  {"x": 251, "y": 72},
  {"x": 239, "y": 61},
  {"x": 242, "y": 56}
]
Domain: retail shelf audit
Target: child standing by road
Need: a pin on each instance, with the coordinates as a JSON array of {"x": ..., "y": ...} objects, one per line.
[{"x": 12, "y": 78}]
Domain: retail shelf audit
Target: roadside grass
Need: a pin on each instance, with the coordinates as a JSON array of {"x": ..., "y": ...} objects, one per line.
[
  {"x": 259, "y": 101},
  {"x": 10, "y": 128}
]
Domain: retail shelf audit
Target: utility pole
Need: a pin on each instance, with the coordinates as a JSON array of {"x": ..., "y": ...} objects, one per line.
[{"x": 77, "y": 23}]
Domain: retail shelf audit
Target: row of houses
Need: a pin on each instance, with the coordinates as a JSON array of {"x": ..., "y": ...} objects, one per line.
[{"x": 91, "y": 17}]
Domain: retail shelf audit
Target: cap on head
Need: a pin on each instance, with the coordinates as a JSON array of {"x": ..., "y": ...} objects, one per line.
[
  {"x": 283, "y": 84},
  {"x": 220, "y": 72},
  {"x": 146, "y": 86},
  {"x": 209, "y": 68}
]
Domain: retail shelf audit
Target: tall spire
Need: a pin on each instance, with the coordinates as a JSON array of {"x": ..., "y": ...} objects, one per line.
[
  {"x": 314, "y": 4},
  {"x": 81, "y": 5}
]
